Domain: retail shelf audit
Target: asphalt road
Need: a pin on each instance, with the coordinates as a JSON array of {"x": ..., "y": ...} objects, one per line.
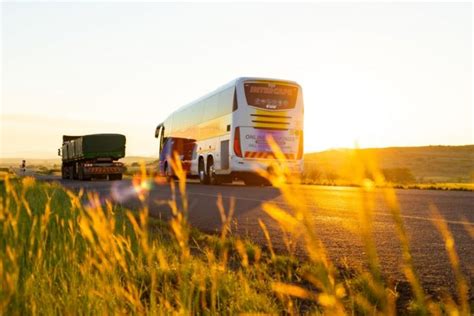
[{"x": 337, "y": 221}]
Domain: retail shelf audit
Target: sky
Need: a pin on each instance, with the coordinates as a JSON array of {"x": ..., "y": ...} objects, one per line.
[{"x": 373, "y": 74}]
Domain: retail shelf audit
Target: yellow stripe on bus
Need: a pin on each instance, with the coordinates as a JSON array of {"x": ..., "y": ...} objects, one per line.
[
  {"x": 271, "y": 119},
  {"x": 272, "y": 113},
  {"x": 269, "y": 125},
  {"x": 266, "y": 155}
]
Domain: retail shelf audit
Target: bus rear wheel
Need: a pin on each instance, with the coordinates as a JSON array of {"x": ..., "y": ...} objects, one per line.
[
  {"x": 203, "y": 177},
  {"x": 211, "y": 173}
]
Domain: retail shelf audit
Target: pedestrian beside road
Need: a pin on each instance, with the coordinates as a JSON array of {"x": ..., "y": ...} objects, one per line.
[{"x": 23, "y": 166}]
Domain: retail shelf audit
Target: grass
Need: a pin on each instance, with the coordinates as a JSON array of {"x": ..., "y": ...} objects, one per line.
[
  {"x": 429, "y": 167},
  {"x": 427, "y": 164},
  {"x": 60, "y": 256},
  {"x": 441, "y": 186},
  {"x": 65, "y": 253}
]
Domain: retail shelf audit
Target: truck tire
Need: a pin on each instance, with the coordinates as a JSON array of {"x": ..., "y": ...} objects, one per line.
[
  {"x": 80, "y": 174},
  {"x": 71, "y": 172},
  {"x": 75, "y": 169}
]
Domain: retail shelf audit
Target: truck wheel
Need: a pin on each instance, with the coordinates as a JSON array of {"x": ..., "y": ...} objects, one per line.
[
  {"x": 63, "y": 173},
  {"x": 76, "y": 170},
  {"x": 71, "y": 172},
  {"x": 80, "y": 173},
  {"x": 203, "y": 177}
]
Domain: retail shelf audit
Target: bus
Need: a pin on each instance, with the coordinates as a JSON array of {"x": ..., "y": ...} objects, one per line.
[{"x": 222, "y": 136}]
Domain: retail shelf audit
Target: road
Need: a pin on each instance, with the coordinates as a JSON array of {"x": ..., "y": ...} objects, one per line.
[{"x": 335, "y": 213}]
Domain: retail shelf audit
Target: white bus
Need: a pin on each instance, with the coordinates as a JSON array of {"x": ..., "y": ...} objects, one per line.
[{"x": 222, "y": 136}]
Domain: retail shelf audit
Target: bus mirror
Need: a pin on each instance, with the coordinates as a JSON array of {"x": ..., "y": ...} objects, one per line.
[
  {"x": 158, "y": 131},
  {"x": 59, "y": 152}
]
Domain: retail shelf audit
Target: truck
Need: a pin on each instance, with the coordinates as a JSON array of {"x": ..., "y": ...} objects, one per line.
[{"x": 92, "y": 156}]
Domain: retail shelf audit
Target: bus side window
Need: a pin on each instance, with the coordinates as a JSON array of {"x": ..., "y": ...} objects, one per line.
[
  {"x": 210, "y": 111},
  {"x": 226, "y": 99}
]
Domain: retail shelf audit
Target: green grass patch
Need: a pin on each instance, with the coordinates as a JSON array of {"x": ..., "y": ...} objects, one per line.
[{"x": 62, "y": 253}]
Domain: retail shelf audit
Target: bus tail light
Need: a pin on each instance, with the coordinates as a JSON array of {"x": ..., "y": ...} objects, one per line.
[
  {"x": 237, "y": 148},
  {"x": 300, "y": 146}
]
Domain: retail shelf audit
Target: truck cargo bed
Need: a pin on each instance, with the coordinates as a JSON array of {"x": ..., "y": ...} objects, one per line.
[{"x": 93, "y": 147}]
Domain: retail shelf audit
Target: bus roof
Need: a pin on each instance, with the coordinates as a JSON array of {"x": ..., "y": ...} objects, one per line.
[
  {"x": 240, "y": 79},
  {"x": 230, "y": 84},
  {"x": 227, "y": 85}
]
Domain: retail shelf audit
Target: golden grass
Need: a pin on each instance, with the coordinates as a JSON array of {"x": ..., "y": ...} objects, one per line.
[
  {"x": 442, "y": 186},
  {"x": 428, "y": 164},
  {"x": 64, "y": 253}
]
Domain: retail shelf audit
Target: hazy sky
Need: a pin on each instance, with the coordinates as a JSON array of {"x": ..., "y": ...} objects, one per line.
[{"x": 377, "y": 74}]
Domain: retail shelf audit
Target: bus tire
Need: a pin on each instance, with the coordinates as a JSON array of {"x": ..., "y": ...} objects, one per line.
[
  {"x": 211, "y": 172},
  {"x": 203, "y": 177}
]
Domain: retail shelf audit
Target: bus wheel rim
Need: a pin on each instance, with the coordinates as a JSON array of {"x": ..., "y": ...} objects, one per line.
[{"x": 212, "y": 173}]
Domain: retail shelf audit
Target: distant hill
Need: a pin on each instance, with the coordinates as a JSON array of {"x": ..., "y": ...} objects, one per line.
[
  {"x": 131, "y": 159},
  {"x": 14, "y": 162},
  {"x": 427, "y": 163}
]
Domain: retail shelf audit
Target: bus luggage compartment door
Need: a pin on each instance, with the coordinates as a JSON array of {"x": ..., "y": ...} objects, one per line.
[{"x": 225, "y": 154}]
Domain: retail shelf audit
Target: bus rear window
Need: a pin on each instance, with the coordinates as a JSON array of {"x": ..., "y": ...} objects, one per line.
[{"x": 271, "y": 96}]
